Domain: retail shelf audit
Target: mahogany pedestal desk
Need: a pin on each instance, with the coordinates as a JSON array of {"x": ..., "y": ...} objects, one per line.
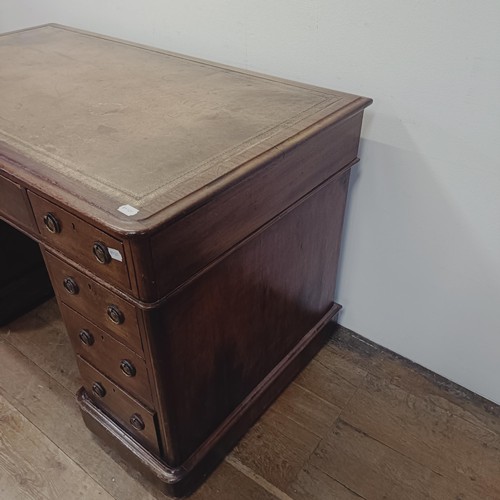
[{"x": 189, "y": 215}]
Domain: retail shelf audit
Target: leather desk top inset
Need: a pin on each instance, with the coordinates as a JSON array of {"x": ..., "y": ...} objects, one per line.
[{"x": 117, "y": 124}]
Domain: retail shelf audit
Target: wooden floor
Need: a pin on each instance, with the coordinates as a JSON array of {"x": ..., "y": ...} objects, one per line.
[{"x": 358, "y": 423}]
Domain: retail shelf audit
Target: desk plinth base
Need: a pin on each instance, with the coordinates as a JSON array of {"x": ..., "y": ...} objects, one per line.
[{"x": 183, "y": 480}]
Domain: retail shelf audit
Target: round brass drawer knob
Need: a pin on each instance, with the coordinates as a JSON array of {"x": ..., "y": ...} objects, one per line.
[
  {"x": 137, "y": 422},
  {"x": 86, "y": 337},
  {"x": 101, "y": 252},
  {"x": 98, "y": 389},
  {"x": 115, "y": 315},
  {"x": 51, "y": 223},
  {"x": 128, "y": 368},
  {"x": 71, "y": 286}
]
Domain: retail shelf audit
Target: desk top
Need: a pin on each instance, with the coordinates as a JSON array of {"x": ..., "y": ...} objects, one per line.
[{"x": 107, "y": 124}]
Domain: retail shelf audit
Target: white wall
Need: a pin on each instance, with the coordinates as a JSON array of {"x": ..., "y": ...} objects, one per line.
[{"x": 421, "y": 260}]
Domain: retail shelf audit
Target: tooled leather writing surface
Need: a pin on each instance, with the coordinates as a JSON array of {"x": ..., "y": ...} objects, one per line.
[{"x": 133, "y": 124}]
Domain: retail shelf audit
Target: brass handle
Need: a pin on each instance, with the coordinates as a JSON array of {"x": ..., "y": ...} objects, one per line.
[
  {"x": 128, "y": 368},
  {"x": 137, "y": 422},
  {"x": 98, "y": 389},
  {"x": 115, "y": 315},
  {"x": 86, "y": 337},
  {"x": 101, "y": 252},
  {"x": 51, "y": 223},
  {"x": 71, "y": 286}
]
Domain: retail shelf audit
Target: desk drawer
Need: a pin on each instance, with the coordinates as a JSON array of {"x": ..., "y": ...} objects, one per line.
[
  {"x": 103, "y": 307},
  {"x": 87, "y": 245},
  {"x": 115, "y": 360},
  {"x": 14, "y": 204},
  {"x": 129, "y": 413}
]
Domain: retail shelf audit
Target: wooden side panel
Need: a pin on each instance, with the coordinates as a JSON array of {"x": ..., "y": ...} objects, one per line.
[
  {"x": 188, "y": 245},
  {"x": 222, "y": 333},
  {"x": 14, "y": 205}
]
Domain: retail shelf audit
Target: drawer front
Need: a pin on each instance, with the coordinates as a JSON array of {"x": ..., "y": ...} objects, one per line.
[
  {"x": 14, "y": 204},
  {"x": 129, "y": 413},
  {"x": 118, "y": 362},
  {"x": 103, "y": 307},
  {"x": 87, "y": 245}
]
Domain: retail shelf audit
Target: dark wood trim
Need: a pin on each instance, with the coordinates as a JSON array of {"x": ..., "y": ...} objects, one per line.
[{"x": 182, "y": 480}]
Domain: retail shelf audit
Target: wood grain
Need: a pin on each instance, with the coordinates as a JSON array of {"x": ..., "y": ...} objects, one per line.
[
  {"x": 375, "y": 471},
  {"x": 42, "y": 401},
  {"x": 120, "y": 405},
  {"x": 397, "y": 437},
  {"x": 93, "y": 299},
  {"x": 227, "y": 483},
  {"x": 313, "y": 484},
  {"x": 76, "y": 239},
  {"x": 32, "y": 467},
  {"x": 224, "y": 221},
  {"x": 251, "y": 308},
  {"x": 275, "y": 448},
  {"x": 307, "y": 409},
  {"x": 15, "y": 206},
  {"x": 342, "y": 368},
  {"x": 413, "y": 378},
  {"x": 326, "y": 383},
  {"x": 47, "y": 346},
  {"x": 108, "y": 354},
  {"x": 415, "y": 428}
]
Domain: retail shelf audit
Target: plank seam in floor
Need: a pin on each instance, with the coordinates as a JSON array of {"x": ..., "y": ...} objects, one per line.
[
  {"x": 257, "y": 478},
  {"x": 20, "y": 406},
  {"x": 330, "y": 428},
  {"x": 323, "y": 400}
]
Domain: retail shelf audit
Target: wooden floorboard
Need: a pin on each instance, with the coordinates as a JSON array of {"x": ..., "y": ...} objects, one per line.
[
  {"x": 32, "y": 467},
  {"x": 45, "y": 344},
  {"x": 376, "y": 471},
  {"x": 51, "y": 408},
  {"x": 424, "y": 432},
  {"x": 358, "y": 423}
]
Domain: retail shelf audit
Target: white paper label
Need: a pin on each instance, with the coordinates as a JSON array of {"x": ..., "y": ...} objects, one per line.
[
  {"x": 128, "y": 210},
  {"x": 115, "y": 254}
]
